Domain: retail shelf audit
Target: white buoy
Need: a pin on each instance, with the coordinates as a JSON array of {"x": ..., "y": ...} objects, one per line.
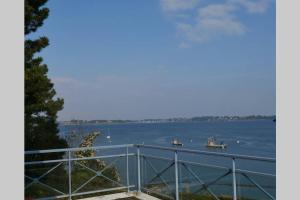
[
  {"x": 108, "y": 137},
  {"x": 238, "y": 141}
]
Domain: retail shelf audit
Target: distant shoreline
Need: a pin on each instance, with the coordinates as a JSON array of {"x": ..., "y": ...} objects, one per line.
[{"x": 171, "y": 120}]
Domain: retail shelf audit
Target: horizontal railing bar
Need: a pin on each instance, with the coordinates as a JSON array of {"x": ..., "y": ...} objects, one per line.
[
  {"x": 253, "y": 172},
  {"x": 76, "y": 159},
  {"x": 83, "y": 193},
  {"x": 53, "y": 197},
  {"x": 203, "y": 165},
  {"x": 236, "y": 156},
  {"x": 97, "y": 157},
  {"x": 78, "y": 149},
  {"x": 187, "y": 162},
  {"x": 45, "y": 162},
  {"x": 194, "y": 183},
  {"x": 104, "y": 190},
  {"x": 156, "y": 157}
]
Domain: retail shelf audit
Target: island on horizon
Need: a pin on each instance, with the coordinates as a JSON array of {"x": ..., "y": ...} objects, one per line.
[{"x": 175, "y": 119}]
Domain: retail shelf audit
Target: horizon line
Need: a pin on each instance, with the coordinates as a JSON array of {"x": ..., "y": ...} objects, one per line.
[{"x": 253, "y": 115}]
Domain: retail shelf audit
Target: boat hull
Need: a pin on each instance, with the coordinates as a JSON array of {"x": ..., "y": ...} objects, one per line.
[
  {"x": 222, "y": 146},
  {"x": 177, "y": 144}
]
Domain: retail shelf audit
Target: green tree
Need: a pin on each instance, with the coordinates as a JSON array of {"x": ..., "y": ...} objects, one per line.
[{"x": 41, "y": 105}]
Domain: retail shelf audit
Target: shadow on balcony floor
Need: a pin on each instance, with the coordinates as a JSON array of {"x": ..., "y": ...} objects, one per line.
[{"x": 124, "y": 196}]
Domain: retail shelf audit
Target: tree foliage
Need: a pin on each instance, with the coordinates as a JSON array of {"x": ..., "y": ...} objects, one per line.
[{"x": 41, "y": 106}]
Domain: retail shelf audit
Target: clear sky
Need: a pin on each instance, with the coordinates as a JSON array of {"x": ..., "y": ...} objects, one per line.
[{"x": 135, "y": 59}]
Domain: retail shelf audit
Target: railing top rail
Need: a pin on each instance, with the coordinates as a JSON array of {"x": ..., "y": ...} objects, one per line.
[
  {"x": 233, "y": 156},
  {"x": 78, "y": 149}
]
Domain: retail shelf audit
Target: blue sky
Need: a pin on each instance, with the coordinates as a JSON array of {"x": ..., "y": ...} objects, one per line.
[{"x": 134, "y": 59}]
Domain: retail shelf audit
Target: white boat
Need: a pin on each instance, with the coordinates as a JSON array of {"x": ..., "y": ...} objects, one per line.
[
  {"x": 212, "y": 143},
  {"x": 108, "y": 135},
  {"x": 176, "y": 142}
]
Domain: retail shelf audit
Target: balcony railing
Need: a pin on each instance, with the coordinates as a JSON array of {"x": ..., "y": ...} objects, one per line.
[{"x": 167, "y": 173}]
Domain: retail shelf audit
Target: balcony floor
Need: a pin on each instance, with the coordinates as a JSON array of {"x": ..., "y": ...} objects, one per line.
[{"x": 123, "y": 196}]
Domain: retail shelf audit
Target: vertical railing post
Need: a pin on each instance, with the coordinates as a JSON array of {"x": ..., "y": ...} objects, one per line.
[
  {"x": 139, "y": 169},
  {"x": 176, "y": 175},
  {"x": 127, "y": 169},
  {"x": 70, "y": 175},
  {"x": 234, "y": 179}
]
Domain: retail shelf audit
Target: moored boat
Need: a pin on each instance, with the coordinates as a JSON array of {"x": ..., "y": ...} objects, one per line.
[
  {"x": 176, "y": 142},
  {"x": 212, "y": 143}
]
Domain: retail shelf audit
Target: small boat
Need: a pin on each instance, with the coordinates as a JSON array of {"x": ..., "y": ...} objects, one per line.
[
  {"x": 108, "y": 135},
  {"x": 211, "y": 142},
  {"x": 176, "y": 142},
  {"x": 96, "y": 132}
]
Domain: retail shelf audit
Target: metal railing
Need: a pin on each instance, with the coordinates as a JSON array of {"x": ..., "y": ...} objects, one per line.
[{"x": 168, "y": 173}]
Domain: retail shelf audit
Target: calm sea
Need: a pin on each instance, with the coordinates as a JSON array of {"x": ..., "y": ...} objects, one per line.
[{"x": 257, "y": 138}]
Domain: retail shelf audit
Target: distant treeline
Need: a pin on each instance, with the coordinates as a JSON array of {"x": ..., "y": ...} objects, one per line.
[
  {"x": 76, "y": 121},
  {"x": 178, "y": 119}
]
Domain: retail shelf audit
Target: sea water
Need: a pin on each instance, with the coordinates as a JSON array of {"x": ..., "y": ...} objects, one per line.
[{"x": 256, "y": 138}]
